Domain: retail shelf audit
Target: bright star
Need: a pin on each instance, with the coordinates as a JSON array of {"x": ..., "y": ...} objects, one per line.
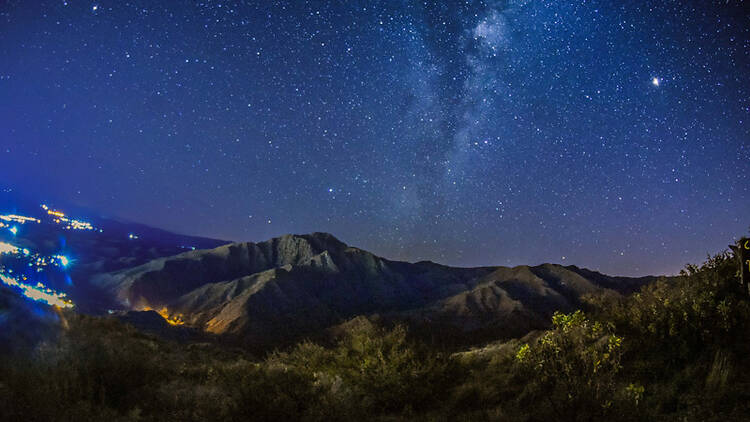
[{"x": 655, "y": 81}]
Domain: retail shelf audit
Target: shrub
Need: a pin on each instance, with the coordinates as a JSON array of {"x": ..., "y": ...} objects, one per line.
[{"x": 573, "y": 367}]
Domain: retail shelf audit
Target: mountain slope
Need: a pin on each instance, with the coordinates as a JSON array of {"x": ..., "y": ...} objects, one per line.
[
  {"x": 89, "y": 245},
  {"x": 514, "y": 301},
  {"x": 295, "y": 285}
]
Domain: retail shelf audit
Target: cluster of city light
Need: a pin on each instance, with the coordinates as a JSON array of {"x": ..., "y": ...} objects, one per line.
[
  {"x": 14, "y": 218},
  {"x": 39, "y": 293},
  {"x": 19, "y": 219},
  {"x": 68, "y": 223},
  {"x": 58, "y": 217},
  {"x": 39, "y": 262},
  {"x": 11, "y": 249},
  {"x": 79, "y": 225},
  {"x": 8, "y": 248}
]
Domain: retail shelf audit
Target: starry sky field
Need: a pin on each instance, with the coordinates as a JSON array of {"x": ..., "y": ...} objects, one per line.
[{"x": 611, "y": 135}]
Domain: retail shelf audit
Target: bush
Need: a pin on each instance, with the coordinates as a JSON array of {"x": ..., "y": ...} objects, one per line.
[
  {"x": 573, "y": 367},
  {"x": 378, "y": 370},
  {"x": 684, "y": 338},
  {"x": 676, "y": 350}
]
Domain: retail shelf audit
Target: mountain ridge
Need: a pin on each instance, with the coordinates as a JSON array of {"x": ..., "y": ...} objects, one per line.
[{"x": 295, "y": 285}]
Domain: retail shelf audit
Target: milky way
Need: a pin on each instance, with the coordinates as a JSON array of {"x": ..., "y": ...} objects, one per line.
[{"x": 612, "y": 135}]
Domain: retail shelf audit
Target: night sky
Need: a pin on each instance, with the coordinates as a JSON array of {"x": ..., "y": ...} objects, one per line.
[{"x": 611, "y": 135}]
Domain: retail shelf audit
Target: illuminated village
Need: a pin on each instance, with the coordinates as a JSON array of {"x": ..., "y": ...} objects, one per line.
[
  {"x": 68, "y": 223},
  {"x": 24, "y": 269},
  {"x": 35, "y": 262},
  {"x": 38, "y": 292}
]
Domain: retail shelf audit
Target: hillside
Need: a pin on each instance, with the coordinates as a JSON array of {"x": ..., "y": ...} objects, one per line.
[
  {"x": 35, "y": 238},
  {"x": 297, "y": 285},
  {"x": 674, "y": 351}
]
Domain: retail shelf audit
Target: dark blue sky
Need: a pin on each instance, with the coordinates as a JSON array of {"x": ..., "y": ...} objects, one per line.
[{"x": 612, "y": 135}]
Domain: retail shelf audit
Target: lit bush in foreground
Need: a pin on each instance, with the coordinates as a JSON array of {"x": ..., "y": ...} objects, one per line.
[{"x": 573, "y": 367}]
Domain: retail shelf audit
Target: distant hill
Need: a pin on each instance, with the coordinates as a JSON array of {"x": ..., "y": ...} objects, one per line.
[
  {"x": 110, "y": 246},
  {"x": 297, "y": 285}
]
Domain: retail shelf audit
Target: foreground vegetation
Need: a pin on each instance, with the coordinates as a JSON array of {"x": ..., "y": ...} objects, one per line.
[{"x": 677, "y": 350}]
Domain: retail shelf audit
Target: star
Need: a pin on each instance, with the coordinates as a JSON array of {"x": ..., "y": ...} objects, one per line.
[{"x": 439, "y": 111}]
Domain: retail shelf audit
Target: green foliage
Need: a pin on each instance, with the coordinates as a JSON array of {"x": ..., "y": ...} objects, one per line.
[
  {"x": 101, "y": 369},
  {"x": 684, "y": 338},
  {"x": 379, "y": 370},
  {"x": 573, "y": 367},
  {"x": 671, "y": 322},
  {"x": 635, "y": 393}
]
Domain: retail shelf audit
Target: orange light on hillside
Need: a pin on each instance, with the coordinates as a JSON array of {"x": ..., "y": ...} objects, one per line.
[{"x": 164, "y": 313}]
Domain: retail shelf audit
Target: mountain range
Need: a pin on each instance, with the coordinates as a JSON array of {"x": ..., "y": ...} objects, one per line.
[
  {"x": 283, "y": 289},
  {"x": 294, "y": 286}
]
